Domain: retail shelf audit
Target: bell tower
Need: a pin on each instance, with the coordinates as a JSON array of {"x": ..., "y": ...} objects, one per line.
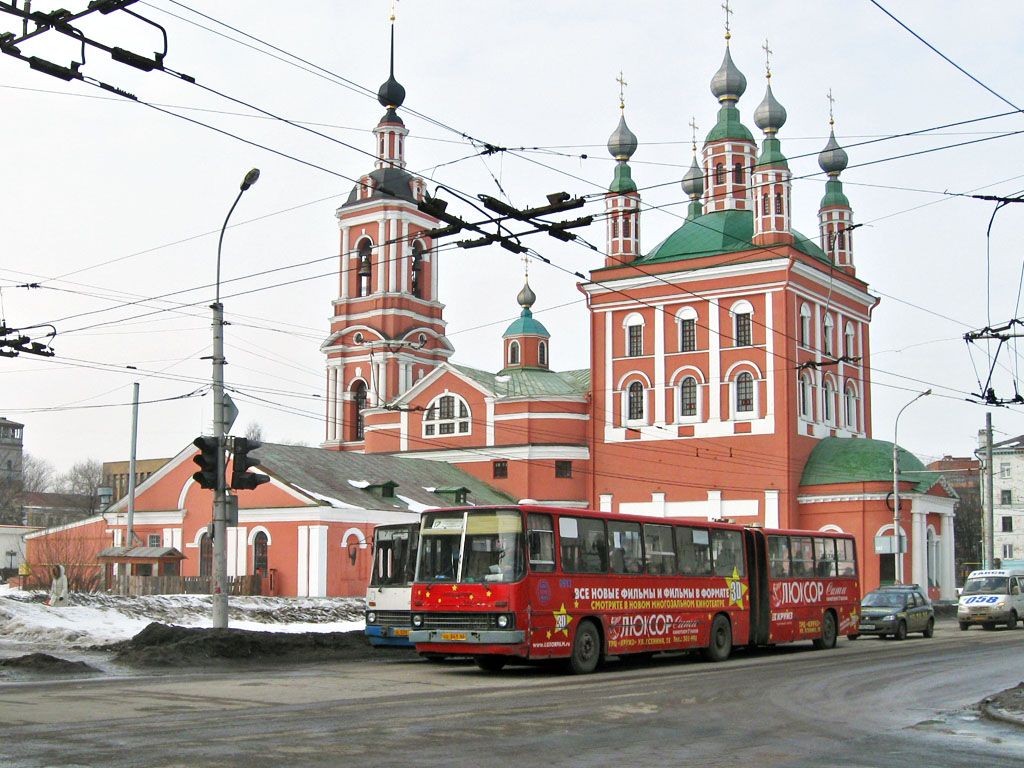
[{"x": 387, "y": 329}]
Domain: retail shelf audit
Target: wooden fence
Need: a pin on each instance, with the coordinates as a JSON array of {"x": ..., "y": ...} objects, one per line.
[{"x": 181, "y": 585}]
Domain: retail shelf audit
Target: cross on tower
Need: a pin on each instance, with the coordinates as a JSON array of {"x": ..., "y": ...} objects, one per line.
[
  {"x": 728, "y": 13},
  {"x": 526, "y": 266},
  {"x": 831, "y": 102},
  {"x": 693, "y": 131},
  {"x": 622, "y": 92},
  {"x": 767, "y": 59}
]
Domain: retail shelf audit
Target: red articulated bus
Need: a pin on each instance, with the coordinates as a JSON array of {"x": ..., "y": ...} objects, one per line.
[{"x": 531, "y": 582}]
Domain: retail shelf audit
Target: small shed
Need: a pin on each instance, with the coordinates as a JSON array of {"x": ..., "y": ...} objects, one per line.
[{"x": 143, "y": 561}]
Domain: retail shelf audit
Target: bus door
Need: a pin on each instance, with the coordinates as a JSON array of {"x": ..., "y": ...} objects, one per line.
[{"x": 757, "y": 573}]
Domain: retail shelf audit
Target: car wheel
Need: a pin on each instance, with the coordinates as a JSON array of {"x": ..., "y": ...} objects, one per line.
[
  {"x": 901, "y": 631},
  {"x": 828, "y": 632},
  {"x": 1011, "y": 623},
  {"x": 586, "y": 649},
  {"x": 490, "y": 663},
  {"x": 964, "y": 626},
  {"x": 720, "y": 641},
  {"x": 929, "y": 629}
]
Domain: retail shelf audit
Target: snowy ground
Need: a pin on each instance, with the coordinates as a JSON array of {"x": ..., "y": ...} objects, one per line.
[{"x": 28, "y": 625}]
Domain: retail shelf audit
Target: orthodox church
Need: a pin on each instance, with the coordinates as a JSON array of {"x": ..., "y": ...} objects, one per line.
[{"x": 730, "y": 364}]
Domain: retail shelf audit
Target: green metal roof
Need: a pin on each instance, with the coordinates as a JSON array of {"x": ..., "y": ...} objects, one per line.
[
  {"x": 719, "y": 232},
  {"x": 859, "y": 460},
  {"x": 834, "y": 194},
  {"x": 729, "y": 126},
  {"x": 522, "y": 382},
  {"x": 623, "y": 179},
  {"x": 771, "y": 155},
  {"x": 526, "y": 325}
]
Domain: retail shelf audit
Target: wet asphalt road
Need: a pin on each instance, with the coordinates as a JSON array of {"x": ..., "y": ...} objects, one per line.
[{"x": 866, "y": 703}]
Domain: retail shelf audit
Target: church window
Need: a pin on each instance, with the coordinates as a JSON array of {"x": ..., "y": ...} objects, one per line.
[
  {"x": 446, "y": 415},
  {"x": 416, "y": 269},
  {"x": 499, "y": 470},
  {"x": 205, "y": 555},
  {"x": 688, "y": 397},
  {"x": 615, "y": 227},
  {"x": 737, "y": 173},
  {"x": 851, "y": 341},
  {"x": 805, "y": 326},
  {"x": 359, "y": 398},
  {"x": 765, "y": 204},
  {"x": 829, "y": 404},
  {"x": 842, "y": 239},
  {"x": 688, "y": 341},
  {"x": 778, "y": 204},
  {"x": 828, "y": 326},
  {"x": 636, "y": 401},
  {"x": 851, "y": 408},
  {"x": 513, "y": 353},
  {"x": 636, "y": 341},
  {"x": 626, "y": 227},
  {"x": 563, "y": 469},
  {"x": 365, "y": 272},
  {"x": 542, "y": 354},
  {"x": 720, "y": 173},
  {"x": 744, "y": 393},
  {"x": 805, "y": 396},
  {"x": 743, "y": 337},
  {"x": 259, "y": 553}
]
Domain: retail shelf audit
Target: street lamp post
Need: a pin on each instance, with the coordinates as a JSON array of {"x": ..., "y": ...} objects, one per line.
[
  {"x": 898, "y": 553},
  {"x": 220, "y": 545}
]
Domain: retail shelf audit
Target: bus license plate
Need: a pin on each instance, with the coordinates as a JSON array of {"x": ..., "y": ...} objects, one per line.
[
  {"x": 401, "y": 632},
  {"x": 453, "y": 635},
  {"x": 867, "y": 626}
]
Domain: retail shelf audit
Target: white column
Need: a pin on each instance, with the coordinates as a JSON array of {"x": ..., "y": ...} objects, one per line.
[
  {"x": 382, "y": 253},
  {"x": 714, "y": 363},
  {"x": 714, "y": 505},
  {"x": 317, "y": 561},
  {"x": 345, "y": 259},
  {"x": 769, "y": 349},
  {"x": 394, "y": 249},
  {"x": 605, "y": 502},
  {"x": 403, "y": 430},
  {"x": 947, "y": 558},
  {"x": 659, "y": 395},
  {"x": 489, "y": 416},
  {"x": 339, "y": 405},
  {"x": 302, "y": 562},
  {"x": 919, "y": 547},
  {"x": 771, "y": 509},
  {"x": 332, "y": 403},
  {"x": 609, "y": 384},
  {"x": 658, "y": 505}
]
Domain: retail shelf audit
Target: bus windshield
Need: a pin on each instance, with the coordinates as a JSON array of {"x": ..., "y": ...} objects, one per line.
[
  {"x": 394, "y": 556},
  {"x": 471, "y": 547},
  {"x": 985, "y": 585}
]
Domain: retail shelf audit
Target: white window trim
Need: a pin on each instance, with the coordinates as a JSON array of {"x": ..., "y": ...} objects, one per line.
[
  {"x": 519, "y": 349},
  {"x": 641, "y": 422},
  {"x": 677, "y": 390},
  {"x": 632, "y": 319},
  {"x": 805, "y": 397},
  {"x": 828, "y": 397},
  {"x": 742, "y": 307},
  {"x": 687, "y": 313},
  {"x": 438, "y": 422},
  {"x": 734, "y": 413},
  {"x": 829, "y": 335},
  {"x": 805, "y": 338}
]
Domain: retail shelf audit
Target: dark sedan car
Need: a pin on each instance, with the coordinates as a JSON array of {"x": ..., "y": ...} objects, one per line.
[{"x": 895, "y": 611}]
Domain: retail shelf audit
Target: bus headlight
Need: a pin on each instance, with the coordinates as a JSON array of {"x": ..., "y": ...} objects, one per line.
[
  {"x": 371, "y": 617},
  {"x": 504, "y": 621},
  {"x": 417, "y": 620}
]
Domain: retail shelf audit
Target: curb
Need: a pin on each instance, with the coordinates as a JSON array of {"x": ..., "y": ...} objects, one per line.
[{"x": 995, "y": 713}]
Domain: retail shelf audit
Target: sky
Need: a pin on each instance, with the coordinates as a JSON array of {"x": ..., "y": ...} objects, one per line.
[{"x": 113, "y": 207}]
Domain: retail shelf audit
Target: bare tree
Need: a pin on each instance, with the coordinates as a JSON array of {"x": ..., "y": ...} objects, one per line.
[
  {"x": 37, "y": 475},
  {"x": 254, "y": 431},
  {"x": 75, "y": 548},
  {"x": 83, "y": 479}
]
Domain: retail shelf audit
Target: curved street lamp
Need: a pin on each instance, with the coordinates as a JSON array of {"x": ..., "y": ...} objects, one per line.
[
  {"x": 898, "y": 552},
  {"x": 220, "y": 545}
]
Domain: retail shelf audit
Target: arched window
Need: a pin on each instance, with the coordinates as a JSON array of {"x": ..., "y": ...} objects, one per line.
[
  {"x": 542, "y": 354},
  {"x": 743, "y": 337},
  {"x": 634, "y": 325},
  {"x": 615, "y": 227},
  {"x": 829, "y": 404},
  {"x": 416, "y": 269},
  {"x": 744, "y": 393},
  {"x": 446, "y": 415},
  {"x": 720, "y": 173},
  {"x": 626, "y": 228},
  {"x": 688, "y": 397},
  {"x": 737, "y": 173},
  {"x": 778, "y": 203},
  {"x": 365, "y": 273},
  {"x": 806, "y": 409},
  {"x": 842, "y": 238},
  {"x": 805, "y": 326},
  {"x": 636, "y": 401},
  {"x": 765, "y": 204},
  {"x": 513, "y": 353},
  {"x": 851, "y": 341},
  {"x": 851, "y": 408},
  {"x": 205, "y": 555},
  {"x": 828, "y": 327},
  {"x": 359, "y": 398},
  {"x": 259, "y": 553}
]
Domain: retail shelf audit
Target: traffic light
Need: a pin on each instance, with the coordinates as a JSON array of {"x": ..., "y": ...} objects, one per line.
[
  {"x": 207, "y": 461},
  {"x": 241, "y": 478}
]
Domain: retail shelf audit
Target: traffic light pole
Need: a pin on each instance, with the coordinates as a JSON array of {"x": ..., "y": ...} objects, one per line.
[{"x": 219, "y": 584}]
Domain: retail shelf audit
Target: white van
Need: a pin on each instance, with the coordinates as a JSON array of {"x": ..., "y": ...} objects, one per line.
[{"x": 992, "y": 597}]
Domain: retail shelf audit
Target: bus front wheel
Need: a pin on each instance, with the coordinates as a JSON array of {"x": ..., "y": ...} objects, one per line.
[
  {"x": 586, "y": 649},
  {"x": 490, "y": 663},
  {"x": 828, "y": 632},
  {"x": 720, "y": 641}
]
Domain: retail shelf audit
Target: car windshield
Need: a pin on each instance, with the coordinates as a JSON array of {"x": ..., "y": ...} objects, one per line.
[
  {"x": 882, "y": 599},
  {"x": 986, "y": 585},
  {"x": 471, "y": 547}
]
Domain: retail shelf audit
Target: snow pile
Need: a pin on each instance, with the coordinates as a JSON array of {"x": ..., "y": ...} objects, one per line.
[{"x": 99, "y": 619}]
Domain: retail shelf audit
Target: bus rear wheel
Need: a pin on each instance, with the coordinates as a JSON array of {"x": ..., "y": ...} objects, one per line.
[
  {"x": 1011, "y": 623},
  {"x": 490, "y": 663},
  {"x": 720, "y": 641},
  {"x": 828, "y": 632},
  {"x": 586, "y": 649}
]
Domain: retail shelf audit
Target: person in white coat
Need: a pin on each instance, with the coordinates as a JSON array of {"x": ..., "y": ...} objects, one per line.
[{"x": 59, "y": 588}]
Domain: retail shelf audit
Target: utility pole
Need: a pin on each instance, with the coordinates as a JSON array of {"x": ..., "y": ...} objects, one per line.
[{"x": 988, "y": 527}]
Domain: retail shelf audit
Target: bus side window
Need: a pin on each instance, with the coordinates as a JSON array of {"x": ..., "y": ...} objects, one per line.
[
  {"x": 778, "y": 556},
  {"x": 626, "y": 548},
  {"x": 727, "y": 551},
  {"x": 846, "y": 559},
  {"x": 825, "y": 556},
  {"x": 693, "y": 551},
  {"x": 582, "y": 545},
  {"x": 661, "y": 555},
  {"x": 803, "y": 557},
  {"x": 540, "y": 538}
]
